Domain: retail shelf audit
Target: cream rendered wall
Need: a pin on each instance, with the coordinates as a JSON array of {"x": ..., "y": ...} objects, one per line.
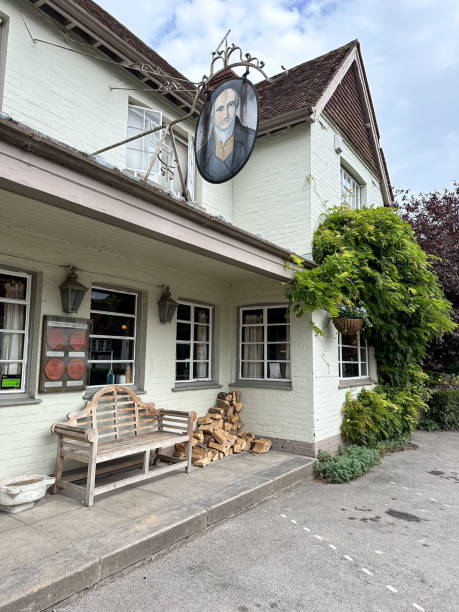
[
  {"x": 278, "y": 413},
  {"x": 270, "y": 194}
]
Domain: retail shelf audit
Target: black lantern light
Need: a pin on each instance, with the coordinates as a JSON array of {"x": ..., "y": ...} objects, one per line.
[
  {"x": 166, "y": 306},
  {"x": 72, "y": 292}
]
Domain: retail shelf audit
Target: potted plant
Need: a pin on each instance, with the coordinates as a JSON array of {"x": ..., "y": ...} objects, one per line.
[{"x": 350, "y": 319}]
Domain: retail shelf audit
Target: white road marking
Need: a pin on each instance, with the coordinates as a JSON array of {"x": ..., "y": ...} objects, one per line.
[
  {"x": 419, "y": 494},
  {"x": 435, "y": 500},
  {"x": 447, "y": 505},
  {"x": 294, "y": 522},
  {"x": 306, "y": 529},
  {"x": 283, "y": 516},
  {"x": 406, "y": 488},
  {"x": 318, "y": 537},
  {"x": 418, "y": 607},
  {"x": 379, "y": 552},
  {"x": 332, "y": 546},
  {"x": 364, "y": 569},
  {"x": 391, "y": 588},
  {"x": 348, "y": 558},
  {"x": 392, "y": 482}
]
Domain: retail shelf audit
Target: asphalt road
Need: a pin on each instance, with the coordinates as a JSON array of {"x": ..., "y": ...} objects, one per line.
[{"x": 387, "y": 541}]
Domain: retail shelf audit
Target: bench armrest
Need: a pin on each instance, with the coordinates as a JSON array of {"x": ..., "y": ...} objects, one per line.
[{"x": 72, "y": 431}]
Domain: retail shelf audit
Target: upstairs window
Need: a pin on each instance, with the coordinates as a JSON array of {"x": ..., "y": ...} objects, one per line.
[
  {"x": 14, "y": 328},
  {"x": 352, "y": 356},
  {"x": 193, "y": 343},
  {"x": 351, "y": 191},
  {"x": 111, "y": 356},
  {"x": 264, "y": 343}
]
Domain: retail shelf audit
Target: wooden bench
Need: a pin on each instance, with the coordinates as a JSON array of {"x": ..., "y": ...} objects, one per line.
[{"x": 116, "y": 423}]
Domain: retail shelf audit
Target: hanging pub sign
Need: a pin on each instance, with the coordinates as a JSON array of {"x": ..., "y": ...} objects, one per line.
[
  {"x": 226, "y": 130},
  {"x": 64, "y": 354}
]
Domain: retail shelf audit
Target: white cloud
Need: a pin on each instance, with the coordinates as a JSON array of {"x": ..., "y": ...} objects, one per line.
[{"x": 410, "y": 49}]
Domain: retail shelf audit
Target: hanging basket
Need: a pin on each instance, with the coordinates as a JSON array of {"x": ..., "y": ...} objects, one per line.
[{"x": 346, "y": 325}]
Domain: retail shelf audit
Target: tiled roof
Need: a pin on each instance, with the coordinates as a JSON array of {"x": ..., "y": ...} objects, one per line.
[{"x": 303, "y": 86}]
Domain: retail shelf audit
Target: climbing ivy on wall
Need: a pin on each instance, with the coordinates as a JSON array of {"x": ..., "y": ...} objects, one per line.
[{"x": 369, "y": 258}]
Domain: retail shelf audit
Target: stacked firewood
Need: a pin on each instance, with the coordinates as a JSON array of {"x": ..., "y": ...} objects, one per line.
[{"x": 219, "y": 433}]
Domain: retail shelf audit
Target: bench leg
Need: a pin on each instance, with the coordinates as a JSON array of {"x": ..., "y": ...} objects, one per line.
[
  {"x": 146, "y": 462},
  {"x": 189, "y": 447},
  {"x": 59, "y": 466},
  {"x": 91, "y": 478}
]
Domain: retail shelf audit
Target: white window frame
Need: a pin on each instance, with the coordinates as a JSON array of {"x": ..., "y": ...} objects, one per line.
[
  {"x": 25, "y": 331},
  {"x": 265, "y": 343},
  {"x": 350, "y": 188},
  {"x": 154, "y": 176},
  {"x": 106, "y": 337},
  {"x": 192, "y": 342},
  {"x": 361, "y": 343}
]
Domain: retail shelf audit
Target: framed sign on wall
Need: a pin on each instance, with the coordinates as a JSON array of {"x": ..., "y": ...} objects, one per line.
[{"x": 64, "y": 354}]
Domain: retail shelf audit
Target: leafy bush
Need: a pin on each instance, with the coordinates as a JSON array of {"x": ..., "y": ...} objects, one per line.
[
  {"x": 351, "y": 462},
  {"x": 391, "y": 446},
  {"x": 442, "y": 410},
  {"x": 372, "y": 417}
]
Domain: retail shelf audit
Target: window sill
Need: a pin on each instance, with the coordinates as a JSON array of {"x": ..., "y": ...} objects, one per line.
[
  {"x": 355, "y": 382},
  {"x": 89, "y": 393},
  {"x": 189, "y": 386},
  {"x": 263, "y": 384},
  {"x": 17, "y": 399}
]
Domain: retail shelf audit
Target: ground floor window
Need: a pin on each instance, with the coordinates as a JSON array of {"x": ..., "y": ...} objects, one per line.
[
  {"x": 14, "y": 327},
  {"x": 264, "y": 346},
  {"x": 112, "y": 338},
  {"x": 352, "y": 356},
  {"x": 193, "y": 342}
]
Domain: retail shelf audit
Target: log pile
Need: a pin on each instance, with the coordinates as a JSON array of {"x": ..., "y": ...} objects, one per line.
[{"x": 219, "y": 434}]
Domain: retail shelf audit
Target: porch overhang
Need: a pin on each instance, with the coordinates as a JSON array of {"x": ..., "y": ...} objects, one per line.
[{"x": 40, "y": 168}]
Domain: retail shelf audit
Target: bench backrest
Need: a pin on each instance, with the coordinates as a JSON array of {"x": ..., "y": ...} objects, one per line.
[{"x": 116, "y": 412}]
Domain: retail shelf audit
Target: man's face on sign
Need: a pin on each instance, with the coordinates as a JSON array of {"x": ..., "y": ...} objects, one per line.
[{"x": 225, "y": 109}]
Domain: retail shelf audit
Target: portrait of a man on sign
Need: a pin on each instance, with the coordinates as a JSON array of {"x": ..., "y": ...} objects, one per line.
[{"x": 226, "y": 130}]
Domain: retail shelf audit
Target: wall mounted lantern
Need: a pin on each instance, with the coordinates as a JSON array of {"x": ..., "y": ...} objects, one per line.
[
  {"x": 72, "y": 292},
  {"x": 166, "y": 306}
]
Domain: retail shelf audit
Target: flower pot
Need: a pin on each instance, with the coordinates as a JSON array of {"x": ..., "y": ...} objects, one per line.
[
  {"x": 21, "y": 492},
  {"x": 347, "y": 325}
]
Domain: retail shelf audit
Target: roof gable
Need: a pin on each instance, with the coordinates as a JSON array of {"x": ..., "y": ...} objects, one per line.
[{"x": 346, "y": 110}]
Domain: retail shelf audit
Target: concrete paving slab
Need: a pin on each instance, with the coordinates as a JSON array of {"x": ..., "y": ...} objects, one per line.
[
  {"x": 132, "y": 502},
  {"x": 129, "y": 543},
  {"x": 49, "y": 506},
  {"x": 7, "y": 522},
  {"x": 35, "y": 587},
  {"x": 23, "y": 546}
]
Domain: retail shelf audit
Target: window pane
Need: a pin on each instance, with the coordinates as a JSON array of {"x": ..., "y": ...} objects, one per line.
[
  {"x": 350, "y": 370},
  {"x": 349, "y": 339},
  {"x": 106, "y": 348},
  {"x": 135, "y": 117},
  {"x": 253, "y": 352},
  {"x": 350, "y": 354},
  {"x": 200, "y": 369},
  {"x": 278, "y": 351},
  {"x": 201, "y": 351},
  {"x": 183, "y": 351},
  {"x": 10, "y": 376},
  {"x": 363, "y": 353},
  {"x": 201, "y": 333},
  {"x": 252, "y": 370},
  {"x": 183, "y": 331},
  {"x": 251, "y": 317},
  {"x": 252, "y": 334},
  {"x": 13, "y": 287},
  {"x": 364, "y": 370},
  {"x": 110, "y": 325},
  {"x": 201, "y": 315},
  {"x": 134, "y": 159},
  {"x": 12, "y": 316},
  {"x": 11, "y": 346},
  {"x": 278, "y": 370},
  {"x": 277, "y": 315},
  {"x": 98, "y": 373},
  {"x": 111, "y": 301},
  {"x": 184, "y": 312},
  {"x": 278, "y": 333},
  {"x": 182, "y": 370}
]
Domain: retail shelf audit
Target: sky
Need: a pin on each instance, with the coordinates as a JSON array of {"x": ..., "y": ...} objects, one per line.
[{"x": 410, "y": 50}]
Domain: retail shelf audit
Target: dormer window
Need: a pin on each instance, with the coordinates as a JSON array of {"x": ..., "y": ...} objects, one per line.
[{"x": 351, "y": 190}]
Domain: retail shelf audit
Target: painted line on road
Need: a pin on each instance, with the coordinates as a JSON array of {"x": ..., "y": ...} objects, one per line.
[
  {"x": 293, "y": 521},
  {"x": 348, "y": 558},
  {"x": 318, "y": 537},
  {"x": 418, "y": 607},
  {"x": 332, "y": 546},
  {"x": 391, "y": 588},
  {"x": 364, "y": 569},
  {"x": 421, "y": 495},
  {"x": 392, "y": 482},
  {"x": 434, "y": 500},
  {"x": 283, "y": 516},
  {"x": 379, "y": 552},
  {"x": 306, "y": 529}
]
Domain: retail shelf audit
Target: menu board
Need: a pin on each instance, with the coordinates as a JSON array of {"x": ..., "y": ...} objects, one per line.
[{"x": 64, "y": 354}]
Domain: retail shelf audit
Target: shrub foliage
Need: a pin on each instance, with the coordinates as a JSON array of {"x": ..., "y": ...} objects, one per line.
[
  {"x": 351, "y": 462},
  {"x": 442, "y": 411}
]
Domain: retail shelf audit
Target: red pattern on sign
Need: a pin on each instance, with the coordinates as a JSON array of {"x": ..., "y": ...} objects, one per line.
[
  {"x": 54, "y": 369},
  {"x": 78, "y": 340},
  {"x": 75, "y": 369},
  {"x": 56, "y": 339}
]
